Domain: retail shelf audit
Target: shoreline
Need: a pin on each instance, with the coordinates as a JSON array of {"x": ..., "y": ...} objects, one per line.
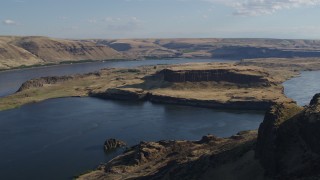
[{"x": 66, "y": 63}]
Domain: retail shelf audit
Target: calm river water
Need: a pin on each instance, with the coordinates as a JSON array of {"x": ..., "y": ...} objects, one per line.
[{"x": 59, "y": 138}]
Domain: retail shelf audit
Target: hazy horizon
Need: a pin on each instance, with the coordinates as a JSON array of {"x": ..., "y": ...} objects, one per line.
[{"x": 131, "y": 19}]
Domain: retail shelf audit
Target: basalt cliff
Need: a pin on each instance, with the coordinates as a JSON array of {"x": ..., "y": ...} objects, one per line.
[
  {"x": 285, "y": 147},
  {"x": 215, "y": 85}
]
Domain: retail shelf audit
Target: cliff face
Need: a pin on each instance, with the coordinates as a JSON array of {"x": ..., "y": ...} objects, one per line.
[
  {"x": 40, "y": 82},
  {"x": 288, "y": 143},
  {"x": 217, "y": 75}
]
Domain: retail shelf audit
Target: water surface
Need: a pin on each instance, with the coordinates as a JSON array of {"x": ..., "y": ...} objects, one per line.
[
  {"x": 303, "y": 87},
  {"x": 58, "y": 138}
]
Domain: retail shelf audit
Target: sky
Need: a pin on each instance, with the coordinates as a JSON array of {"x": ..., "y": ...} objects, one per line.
[{"x": 108, "y": 19}]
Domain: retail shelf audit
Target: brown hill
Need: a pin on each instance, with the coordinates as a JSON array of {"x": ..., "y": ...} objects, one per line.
[{"x": 27, "y": 51}]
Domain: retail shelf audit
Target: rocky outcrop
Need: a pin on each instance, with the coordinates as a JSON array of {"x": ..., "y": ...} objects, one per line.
[
  {"x": 183, "y": 159},
  {"x": 288, "y": 143},
  {"x": 40, "y": 82},
  {"x": 122, "y": 94},
  {"x": 111, "y": 144},
  {"x": 268, "y": 132}
]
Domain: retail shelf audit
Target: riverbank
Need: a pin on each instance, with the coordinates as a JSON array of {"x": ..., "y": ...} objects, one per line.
[{"x": 64, "y": 63}]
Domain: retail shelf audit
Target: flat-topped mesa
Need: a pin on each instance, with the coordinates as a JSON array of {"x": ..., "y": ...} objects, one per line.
[{"x": 218, "y": 73}]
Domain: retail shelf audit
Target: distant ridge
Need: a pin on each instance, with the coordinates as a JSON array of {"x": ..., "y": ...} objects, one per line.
[{"x": 18, "y": 52}]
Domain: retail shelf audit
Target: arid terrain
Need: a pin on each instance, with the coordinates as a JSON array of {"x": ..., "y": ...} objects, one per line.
[{"x": 20, "y": 52}]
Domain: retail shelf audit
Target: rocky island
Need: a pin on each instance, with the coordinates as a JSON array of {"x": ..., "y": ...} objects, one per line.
[
  {"x": 249, "y": 84},
  {"x": 217, "y": 85}
]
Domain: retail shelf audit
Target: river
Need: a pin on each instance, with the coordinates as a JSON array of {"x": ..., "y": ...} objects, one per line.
[{"x": 59, "y": 138}]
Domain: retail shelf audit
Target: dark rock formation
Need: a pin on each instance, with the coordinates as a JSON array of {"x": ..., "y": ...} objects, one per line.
[
  {"x": 122, "y": 94},
  {"x": 245, "y": 105},
  {"x": 40, "y": 82},
  {"x": 268, "y": 130},
  {"x": 34, "y": 83},
  {"x": 217, "y": 75},
  {"x": 110, "y": 144},
  {"x": 183, "y": 159},
  {"x": 315, "y": 100},
  {"x": 288, "y": 144}
]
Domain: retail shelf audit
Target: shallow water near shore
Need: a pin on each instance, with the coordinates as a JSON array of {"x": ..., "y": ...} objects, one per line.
[{"x": 59, "y": 138}]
